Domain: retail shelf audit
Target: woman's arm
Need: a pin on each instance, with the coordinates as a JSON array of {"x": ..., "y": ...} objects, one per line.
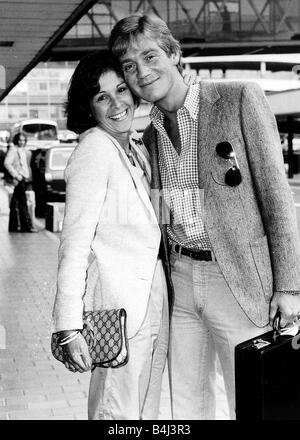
[
  {"x": 87, "y": 179},
  {"x": 9, "y": 163}
]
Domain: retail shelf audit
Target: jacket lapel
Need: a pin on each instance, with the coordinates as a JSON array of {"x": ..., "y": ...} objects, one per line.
[
  {"x": 136, "y": 179},
  {"x": 208, "y": 114}
]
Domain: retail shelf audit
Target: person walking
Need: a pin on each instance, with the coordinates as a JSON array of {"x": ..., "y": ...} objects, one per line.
[
  {"x": 109, "y": 217},
  {"x": 230, "y": 227},
  {"x": 17, "y": 163}
]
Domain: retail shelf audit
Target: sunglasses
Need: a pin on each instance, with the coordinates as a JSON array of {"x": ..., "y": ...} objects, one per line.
[{"x": 233, "y": 176}]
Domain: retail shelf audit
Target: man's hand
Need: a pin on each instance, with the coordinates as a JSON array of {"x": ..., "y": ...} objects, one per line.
[
  {"x": 288, "y": 305},
  {"x": 78, "y": 357}
]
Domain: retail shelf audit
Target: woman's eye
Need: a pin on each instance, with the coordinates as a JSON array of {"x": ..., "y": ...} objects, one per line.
[
  {"x": 149, "y": 57},
  {"x": 101, "y": 98},
  {"x": 122, "y": 89}
]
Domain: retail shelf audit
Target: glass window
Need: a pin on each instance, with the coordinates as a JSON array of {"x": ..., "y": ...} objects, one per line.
[{"x": 41, "y": 132}]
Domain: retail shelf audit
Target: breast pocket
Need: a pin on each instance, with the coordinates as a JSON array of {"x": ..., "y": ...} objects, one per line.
[
  {"x": 225, "y": 169},
  {"x": 261, "y": 257}
]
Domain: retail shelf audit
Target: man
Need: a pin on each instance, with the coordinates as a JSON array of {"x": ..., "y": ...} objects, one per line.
[{"x": 235, "y": 258}]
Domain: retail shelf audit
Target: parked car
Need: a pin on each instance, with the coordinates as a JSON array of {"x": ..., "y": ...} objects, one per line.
[
  {"x": 48, "y": 168},
  {"x": 66, "y": 136},
  {"x": 41, "y": 133},
  {"x": 4, "y": 136}
]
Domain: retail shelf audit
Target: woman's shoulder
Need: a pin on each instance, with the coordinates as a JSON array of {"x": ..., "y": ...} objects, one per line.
[
  {"x": 92, "y": 135},
  {"x": 94, "y": 140},
  {"x": 94, "y": 147}
]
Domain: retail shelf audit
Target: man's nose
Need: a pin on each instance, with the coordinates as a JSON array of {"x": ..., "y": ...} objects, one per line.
[{"x": 142, "y": 71}]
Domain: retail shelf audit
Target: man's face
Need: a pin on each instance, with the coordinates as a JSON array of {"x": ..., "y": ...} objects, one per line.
[{"x": 148, "y": 70}]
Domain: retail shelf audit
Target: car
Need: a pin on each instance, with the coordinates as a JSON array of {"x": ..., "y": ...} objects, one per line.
[
  {"x": 55, "y": 163},
  {"x": 40, "y": 133},
  {"x": 48, "y": 168},
  {"x": 66, "y": 136},
  {"x": 4, "y": 136}
]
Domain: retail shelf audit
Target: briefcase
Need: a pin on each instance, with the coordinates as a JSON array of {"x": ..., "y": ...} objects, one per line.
[{"x": 267, "y": 377}]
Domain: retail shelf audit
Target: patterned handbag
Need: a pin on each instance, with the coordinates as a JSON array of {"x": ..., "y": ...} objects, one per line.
[{"x": 105, "y": 334}]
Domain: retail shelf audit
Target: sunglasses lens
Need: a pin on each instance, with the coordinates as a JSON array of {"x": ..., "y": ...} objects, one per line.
[
  {"x": 224, "y": 149},
  {"x": 233, "y": 177}
]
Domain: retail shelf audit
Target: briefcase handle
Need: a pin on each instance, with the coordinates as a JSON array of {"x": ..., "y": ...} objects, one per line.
[{"x": 276, "y": 324}]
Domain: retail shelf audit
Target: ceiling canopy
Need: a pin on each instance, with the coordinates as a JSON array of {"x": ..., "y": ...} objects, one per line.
[{"x": 28, "y": 30}]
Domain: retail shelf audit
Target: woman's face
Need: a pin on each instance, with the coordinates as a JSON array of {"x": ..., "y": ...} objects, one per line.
[
  {"x": 22, "y": 141},
  {"x": 113, "y": 107}
]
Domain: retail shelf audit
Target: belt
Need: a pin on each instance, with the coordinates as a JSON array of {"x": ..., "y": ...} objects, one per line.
[{"x": 201, "y": 255}]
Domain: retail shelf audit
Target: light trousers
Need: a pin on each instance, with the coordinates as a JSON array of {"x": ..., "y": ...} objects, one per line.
[
  {"x": 132, "y": 392},
  {"x": 206, "y": 321}
]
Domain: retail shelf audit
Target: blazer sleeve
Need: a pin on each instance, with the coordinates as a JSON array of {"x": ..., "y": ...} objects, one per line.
[
  {"x": 271, "y": 185},
  {"x": 87, "y": 176}
]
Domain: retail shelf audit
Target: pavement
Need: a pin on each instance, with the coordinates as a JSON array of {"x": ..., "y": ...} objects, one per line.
[{"x": 33, "y": 385}]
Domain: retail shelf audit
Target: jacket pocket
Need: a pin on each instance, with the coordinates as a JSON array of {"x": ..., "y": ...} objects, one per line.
[
  {"x": 261, "y": 257},
  {"x": 221, "y": 165}
]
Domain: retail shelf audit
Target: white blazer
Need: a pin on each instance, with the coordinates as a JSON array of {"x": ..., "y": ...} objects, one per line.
[{"x": 108, "y": 211}]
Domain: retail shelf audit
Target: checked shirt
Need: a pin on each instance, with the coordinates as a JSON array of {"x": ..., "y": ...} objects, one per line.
[{"x": 179, "y": 174}]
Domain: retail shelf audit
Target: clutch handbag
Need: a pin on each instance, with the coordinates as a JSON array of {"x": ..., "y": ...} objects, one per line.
[{"x": 105, "y": 334}]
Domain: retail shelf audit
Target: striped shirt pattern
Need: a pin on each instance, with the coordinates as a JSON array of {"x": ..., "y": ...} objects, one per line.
[{"x": 179, "y": 174}]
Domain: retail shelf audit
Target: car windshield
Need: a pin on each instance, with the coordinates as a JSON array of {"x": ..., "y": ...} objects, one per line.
[
  {"x": 41, "y": 132},
  {"x": 59, "y": 158}
]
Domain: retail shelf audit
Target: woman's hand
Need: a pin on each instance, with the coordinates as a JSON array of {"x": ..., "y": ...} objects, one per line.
[{"x": 77, "y": 355}]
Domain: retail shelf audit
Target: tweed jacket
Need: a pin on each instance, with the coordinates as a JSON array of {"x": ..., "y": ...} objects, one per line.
[
  {"x": 13, "y": 164},
  {"x": 252, "y": 227},
  {"x": 108, "y": 214}
]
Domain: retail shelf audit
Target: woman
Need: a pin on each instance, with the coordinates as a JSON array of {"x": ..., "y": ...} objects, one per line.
[
  {"x": 108, "y": 214},
  {"x": 17, "y": 163}
]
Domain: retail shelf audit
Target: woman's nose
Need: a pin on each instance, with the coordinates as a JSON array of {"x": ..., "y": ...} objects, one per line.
[{"x": 116, "y": 102}]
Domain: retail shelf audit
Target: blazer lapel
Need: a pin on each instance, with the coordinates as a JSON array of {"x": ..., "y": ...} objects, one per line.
[
  {"x": 136, "y": 179},
  {"x": 208, "y": 114}
]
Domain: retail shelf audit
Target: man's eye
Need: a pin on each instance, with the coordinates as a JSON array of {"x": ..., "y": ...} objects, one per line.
[
  {"x": 128, "y": 67},
  {"x": 149, "y": 57}
]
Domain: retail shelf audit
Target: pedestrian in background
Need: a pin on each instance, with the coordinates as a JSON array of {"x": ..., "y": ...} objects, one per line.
[
  {"x": 17, "y": 163},
  {"x": 232, "y": 235},
  {"x": 109, "y": 215}
]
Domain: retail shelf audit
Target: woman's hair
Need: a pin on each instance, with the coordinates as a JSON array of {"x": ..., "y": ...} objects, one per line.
[
  {"x": 16, "y": 138},
  {"x": 84, "y": 85},
  {"x": 127, "y": 30}
]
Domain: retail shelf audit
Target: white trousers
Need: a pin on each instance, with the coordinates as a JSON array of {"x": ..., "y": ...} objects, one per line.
[
  {"x": 132, "y": 392},
  {"x": 206, "y": 321}
]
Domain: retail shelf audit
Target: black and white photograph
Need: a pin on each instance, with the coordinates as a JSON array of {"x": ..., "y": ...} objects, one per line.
[{"x": 150, "y": 213}]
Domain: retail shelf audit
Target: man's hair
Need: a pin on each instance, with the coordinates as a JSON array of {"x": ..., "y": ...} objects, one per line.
[
  {"x": 84, "y": 85},
  {"x": 127, "y": 30}
]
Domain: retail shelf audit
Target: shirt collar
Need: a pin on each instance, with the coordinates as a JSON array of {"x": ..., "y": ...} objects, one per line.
[{"x": 191, "y": 104}]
